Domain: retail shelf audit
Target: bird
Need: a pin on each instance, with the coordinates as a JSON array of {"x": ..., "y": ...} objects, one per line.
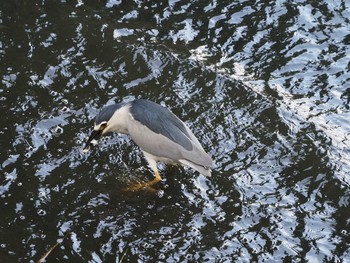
[{"x": 160, "y": 134}]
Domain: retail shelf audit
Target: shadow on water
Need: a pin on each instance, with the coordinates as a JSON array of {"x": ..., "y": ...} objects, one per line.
[{"x": 263, "y": 87}]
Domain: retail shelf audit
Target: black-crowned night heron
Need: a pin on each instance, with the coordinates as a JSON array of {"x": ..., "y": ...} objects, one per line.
[{"x": 157, "y": 131}]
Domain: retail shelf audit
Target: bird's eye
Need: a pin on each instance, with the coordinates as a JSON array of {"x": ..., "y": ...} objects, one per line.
[{"x": 103, "y": 126}]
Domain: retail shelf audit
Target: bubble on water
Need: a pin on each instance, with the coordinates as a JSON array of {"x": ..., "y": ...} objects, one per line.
[
  {"x": 221, "y": 216},
  {"x": 58, "y": 130},
  {"x": 210, "y": 192},
  {"x": 41, "y": 212},
  {"x": 22, "y": 217},
  {"x": 65, "y": 109},
  {"x": 150, "y": 206},
  {"x": 147, "y": 245},
  {"x": 41, "y": 194},
  {"x": 160, "y": 193},
  {"x": 169, "y": 244}
]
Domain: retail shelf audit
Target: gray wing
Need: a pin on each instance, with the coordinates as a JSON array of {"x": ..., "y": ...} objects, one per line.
[
  {"x": 161, "y": 121},
  {"x": 162, "y": 134}
]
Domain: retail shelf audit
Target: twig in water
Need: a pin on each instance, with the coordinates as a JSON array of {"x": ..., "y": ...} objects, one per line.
[{"x": 43, "y": 258}]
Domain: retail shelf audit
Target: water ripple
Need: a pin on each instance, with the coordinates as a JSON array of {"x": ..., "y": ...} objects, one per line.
[{"x": 262, "y": 85}]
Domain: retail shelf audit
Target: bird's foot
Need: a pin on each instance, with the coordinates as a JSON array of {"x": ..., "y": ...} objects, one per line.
[{"x": 137, "y": 186}]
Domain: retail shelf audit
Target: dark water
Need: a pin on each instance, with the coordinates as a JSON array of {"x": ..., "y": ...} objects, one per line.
[{"x": 264, "y": 85}]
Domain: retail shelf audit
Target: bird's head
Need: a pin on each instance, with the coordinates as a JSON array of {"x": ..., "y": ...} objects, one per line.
[{"x": 106, "y": 121}]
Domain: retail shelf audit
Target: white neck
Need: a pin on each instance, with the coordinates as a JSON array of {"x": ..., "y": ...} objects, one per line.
[{"x": 119, "y": 121}]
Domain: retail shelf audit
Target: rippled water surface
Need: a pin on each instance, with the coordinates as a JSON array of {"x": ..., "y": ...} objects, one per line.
[{"x": 264, "y": 85}]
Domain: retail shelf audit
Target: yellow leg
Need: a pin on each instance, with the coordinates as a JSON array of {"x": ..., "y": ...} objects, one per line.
[{"x": 148, "y": 185}]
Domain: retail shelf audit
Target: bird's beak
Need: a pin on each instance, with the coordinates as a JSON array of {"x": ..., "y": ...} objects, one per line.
[{"x": 94, "y": 136}]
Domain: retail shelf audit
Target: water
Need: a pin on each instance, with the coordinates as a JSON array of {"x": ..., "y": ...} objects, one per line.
[{"x": 263, "y": 85}]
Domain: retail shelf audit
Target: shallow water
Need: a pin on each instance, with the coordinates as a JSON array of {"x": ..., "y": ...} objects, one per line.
[{"x": 263, "y": 85}]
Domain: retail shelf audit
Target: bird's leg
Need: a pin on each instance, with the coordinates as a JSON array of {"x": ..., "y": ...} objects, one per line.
[
  {"x": 147, "y": 185},
  {"x": 156, "y": 179},
  {"x": 138, "y": 186}
]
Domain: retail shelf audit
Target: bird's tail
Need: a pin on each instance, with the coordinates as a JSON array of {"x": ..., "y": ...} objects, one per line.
[{"x": 201, "y": 169}]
